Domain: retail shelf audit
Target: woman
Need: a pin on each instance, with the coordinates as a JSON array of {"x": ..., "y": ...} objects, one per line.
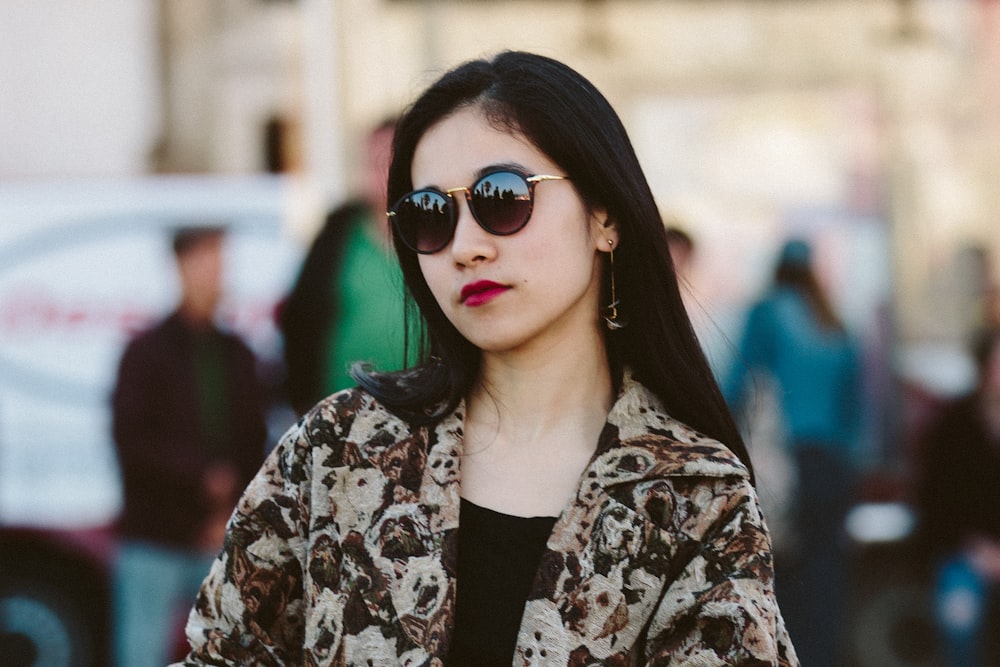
[
  {"x": 602, "y": 522},
  {"x": 794, "y": 335}
]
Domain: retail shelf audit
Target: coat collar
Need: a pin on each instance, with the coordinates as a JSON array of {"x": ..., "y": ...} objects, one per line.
[{"x": 639, "y": 442}]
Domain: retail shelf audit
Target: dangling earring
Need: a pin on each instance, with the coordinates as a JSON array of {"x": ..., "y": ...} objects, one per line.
[{"x": 610, "y": 313}]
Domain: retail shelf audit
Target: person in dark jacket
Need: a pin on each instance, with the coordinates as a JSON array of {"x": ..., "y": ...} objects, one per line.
[
  {"x": 959, "y": 501},
  {"x": 188, "y": 423}
]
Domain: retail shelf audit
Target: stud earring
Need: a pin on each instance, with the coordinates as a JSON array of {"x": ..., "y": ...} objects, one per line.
[{"x": 612, "y": 319}]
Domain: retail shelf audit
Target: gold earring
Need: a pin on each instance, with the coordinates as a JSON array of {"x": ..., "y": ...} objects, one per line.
[{"x": 612, "y": 319}]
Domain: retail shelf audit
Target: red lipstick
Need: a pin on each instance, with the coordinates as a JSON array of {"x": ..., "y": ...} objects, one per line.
[{"x": 481, "y": 292}]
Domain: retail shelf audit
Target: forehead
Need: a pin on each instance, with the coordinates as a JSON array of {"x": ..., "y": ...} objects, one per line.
[{"x": 459, "y": 146}]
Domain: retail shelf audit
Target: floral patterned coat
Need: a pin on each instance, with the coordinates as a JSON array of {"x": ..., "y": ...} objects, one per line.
[{"x": 342, "y": 551}]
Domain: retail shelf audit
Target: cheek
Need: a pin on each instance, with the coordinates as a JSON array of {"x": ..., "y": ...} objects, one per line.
[
  {"x": 433, "y": 276},
  {"x": 565, "y": 247}
]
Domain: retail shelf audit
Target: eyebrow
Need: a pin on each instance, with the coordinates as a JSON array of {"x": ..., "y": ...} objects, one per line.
[
  {"x": 516, "y": 167},
  {"x": 503, "y": 166}
]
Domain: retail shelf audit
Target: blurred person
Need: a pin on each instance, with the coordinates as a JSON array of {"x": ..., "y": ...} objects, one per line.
[
  {"x": 549, "y": 484},
  {"x": 715, "y": 324},
  {"x": 347, "y": 302},
  {"x": 681, "y": 251},
  {"x": 993, "y": 305},
  {"x": 958, "y": 496},
  {"x": 683, "y": 255},
  {"x": 713, "y": 321},
  {"x": 189, "y": 428},
  {"x": 793, "y": 336}
]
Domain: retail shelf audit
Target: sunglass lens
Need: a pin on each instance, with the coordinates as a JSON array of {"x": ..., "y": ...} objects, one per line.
[
  {"x": 423, "y": 220},
  {"x": 502, "y": 202}
]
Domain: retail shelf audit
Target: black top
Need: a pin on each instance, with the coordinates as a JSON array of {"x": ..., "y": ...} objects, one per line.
[{"x": 498, "y": 555}]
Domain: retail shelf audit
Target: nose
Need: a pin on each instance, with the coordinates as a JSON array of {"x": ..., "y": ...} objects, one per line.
[{"x": 471, "y": 243}]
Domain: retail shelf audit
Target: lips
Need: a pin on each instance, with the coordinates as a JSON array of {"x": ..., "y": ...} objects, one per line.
[{"x": 481, "y": 292}]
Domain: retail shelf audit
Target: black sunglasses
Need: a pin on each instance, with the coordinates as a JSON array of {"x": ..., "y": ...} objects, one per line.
[{"x": 500, "y": 201}]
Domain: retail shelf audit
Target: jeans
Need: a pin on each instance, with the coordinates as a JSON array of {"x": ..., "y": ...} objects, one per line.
[
  {"x": 812, "y": 588},
  {"x": 155, "y": 586}
]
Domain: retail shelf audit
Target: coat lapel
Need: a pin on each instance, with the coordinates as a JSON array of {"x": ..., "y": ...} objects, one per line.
[
  {"x": 609, "y": 559},
  {"x": 423, "y": 584}
]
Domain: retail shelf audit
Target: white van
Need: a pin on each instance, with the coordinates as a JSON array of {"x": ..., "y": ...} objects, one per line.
[{"x": 83, "y": 265}]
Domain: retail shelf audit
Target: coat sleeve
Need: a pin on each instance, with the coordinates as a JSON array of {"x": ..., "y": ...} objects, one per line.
[
  {"x": 250, "y": 607},
  {"x": 721, "y": 609}
]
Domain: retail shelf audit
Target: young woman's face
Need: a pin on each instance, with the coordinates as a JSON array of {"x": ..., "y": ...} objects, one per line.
[{"x": 539, "y": 286}]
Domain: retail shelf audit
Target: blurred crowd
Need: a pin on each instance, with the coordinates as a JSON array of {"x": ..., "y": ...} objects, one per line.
[
  {"x": 790, "y": 367},
  {"x": 796, "y": 376}
]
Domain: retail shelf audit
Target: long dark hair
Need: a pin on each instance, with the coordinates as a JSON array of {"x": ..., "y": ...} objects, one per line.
[
  {"x": 572, "y": 123},
  {"x": 797, "y": 273},
  {"x": 307, "y": 313}
]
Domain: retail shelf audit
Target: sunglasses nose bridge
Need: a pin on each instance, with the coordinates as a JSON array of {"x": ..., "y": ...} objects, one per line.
[
  {"x": 468, "y": 238},
  {"x": 466, "y": 190},
  {"x": 468, "y": 201}
]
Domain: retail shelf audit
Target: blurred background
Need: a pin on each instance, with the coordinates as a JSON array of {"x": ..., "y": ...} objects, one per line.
[{"x": 869, "y": 127}]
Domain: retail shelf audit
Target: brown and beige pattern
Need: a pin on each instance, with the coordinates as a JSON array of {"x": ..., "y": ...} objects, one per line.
[{"x": 342, "y": 551}]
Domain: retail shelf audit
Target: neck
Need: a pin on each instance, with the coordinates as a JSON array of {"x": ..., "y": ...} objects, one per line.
[
  {"x": 522, "y": 402},
  {"x": 531, "y": 427},
  {"x": 196, "y": 318}
]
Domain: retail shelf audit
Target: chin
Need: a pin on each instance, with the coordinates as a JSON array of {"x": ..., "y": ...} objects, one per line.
[
  {"x": 494, "y": 346},
  {"x": 494, "y": 342}
]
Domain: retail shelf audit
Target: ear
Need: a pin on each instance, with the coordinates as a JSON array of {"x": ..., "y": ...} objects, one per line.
[{"x": 604, "y": 230}]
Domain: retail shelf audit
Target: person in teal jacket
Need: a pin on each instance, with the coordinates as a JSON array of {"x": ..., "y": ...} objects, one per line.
[{"x": 793, "y": 335}]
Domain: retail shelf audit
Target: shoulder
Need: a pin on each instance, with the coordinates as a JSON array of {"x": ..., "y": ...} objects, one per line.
[
  {"x": 665, "y": 446},
  {"x": 152, "y": 339},
  {"x": 768, "y": 313},
  {"x": 340, "y": 224},
  {"x": 664, "y": 469},
  {"x": 685, "y": 487},
  {"x": 352, "y": 426},
  {"x": 784, "y": 302},
  {"x": 234, "y": 341}
]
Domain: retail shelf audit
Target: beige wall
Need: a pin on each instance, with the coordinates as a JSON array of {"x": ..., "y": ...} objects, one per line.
[
  {"x": 913, "y": 88},
  {"x": 919, "y": 74},
  {"x": 922, "y": 70}
]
